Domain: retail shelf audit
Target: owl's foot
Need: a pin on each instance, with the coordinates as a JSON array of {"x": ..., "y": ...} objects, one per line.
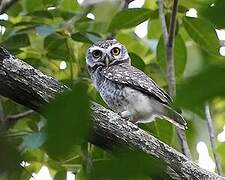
[{"x": 125, "y": 115}]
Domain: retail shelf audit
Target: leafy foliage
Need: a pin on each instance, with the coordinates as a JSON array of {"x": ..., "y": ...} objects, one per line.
[
  {"x": 71, "y": 110},
  {"x": 49, "y": 33},
  {"x": 202, "y": 33},
  {"x": 116, "y": 167},
  {"x": 180, "y": 55},
  {"x": 129, "y": 18}
]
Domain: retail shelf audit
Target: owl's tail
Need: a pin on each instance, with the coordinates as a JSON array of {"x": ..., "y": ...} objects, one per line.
[{"x": 174, "y": 117}]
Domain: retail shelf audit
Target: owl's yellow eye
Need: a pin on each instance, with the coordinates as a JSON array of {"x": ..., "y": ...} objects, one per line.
[
  {"x": 96, "y": 53},
  {"x": 115, "y": 51}
]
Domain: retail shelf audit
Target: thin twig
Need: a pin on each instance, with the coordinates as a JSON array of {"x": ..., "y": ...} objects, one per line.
[
  {"x": 170, "y": 54},
  {"x": 163, "y": 21},
  {"x": 169, "y": 44},
  {"x": 11, "y": 120},
  {"x": 212, "y": 137}
]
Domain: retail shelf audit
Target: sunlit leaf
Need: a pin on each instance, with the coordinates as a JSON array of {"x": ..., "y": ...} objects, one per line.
[
  {"x": 69, "y": 5},
  {"x": 221, "y": 150},
  {"x": 154, "y": 29},
  {"x": 129, "y": 18},
  {"x": 203, "y": 33},
  {"x": 35, "y": 155}
]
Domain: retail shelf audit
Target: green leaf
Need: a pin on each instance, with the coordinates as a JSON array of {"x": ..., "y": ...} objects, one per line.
[
  {"x": 35, "y": 140},
  {"x": 206, "y": 85},
  {"x": 56, "y": 46},
  {"x": 180, "y": 55},
  {"x": 33, "y": 155},
  {"x": 161, "y": 129},
  {"x": 32, "y": 5},
  {"x": 203, "y": 33},
  {"x": 154, "y": 29},
  {"x": 51, "y": 2},
  {"x": 16, "y": 41},
  {"x": 10, "y": 156},
  {"x": 221, "y": 150},
  {"x": 60, "y": 175},
  {"x": 5, "y": 23},
  {"x": 129, "y": 18},
  {"x": 133, "y": 44},
  {"x": 69, "y": 5},
  {"x": 15, "y": 9},
  {"x": 129, "y": 165},
  {"x": 137, "y": 61},
  {"x": 86, "y": 37},
  {"x": 27, "y": 24},
  {"x": 68, "y": 122},
  {"x": 44, "y": 14},
  {"x": 196, "y": 3},
  {"x": 215, "y": 14}
]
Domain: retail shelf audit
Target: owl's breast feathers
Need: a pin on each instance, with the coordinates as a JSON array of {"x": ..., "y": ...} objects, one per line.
[{"x": 132, "y": 77}]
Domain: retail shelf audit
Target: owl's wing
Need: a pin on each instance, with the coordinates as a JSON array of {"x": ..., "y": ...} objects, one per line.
[{"x": 135, "y": 78}]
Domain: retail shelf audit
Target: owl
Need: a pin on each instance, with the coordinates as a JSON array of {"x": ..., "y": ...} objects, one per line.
[{"x": 126, "y": 89}]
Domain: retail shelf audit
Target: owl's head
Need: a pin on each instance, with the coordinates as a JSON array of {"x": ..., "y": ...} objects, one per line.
[{"x": 106, "y": 53}]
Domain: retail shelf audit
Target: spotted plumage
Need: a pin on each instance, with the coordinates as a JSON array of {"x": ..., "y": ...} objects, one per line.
[{"x": 126, "y": 89}]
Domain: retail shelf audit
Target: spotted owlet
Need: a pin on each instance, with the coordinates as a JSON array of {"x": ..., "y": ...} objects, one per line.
[{"x": 126, "y": 89}]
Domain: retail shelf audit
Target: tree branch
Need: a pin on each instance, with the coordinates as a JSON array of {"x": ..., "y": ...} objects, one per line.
[
  {"x": 163, "y": 21},
  {"x": 170, "y": 53},
  {"x": 212, "y": 137},
  {"x": 12, "y": 119},
  {"x": 169, "y": 44},
  {"x": 5, "y": 5},
  {"x": 32, "y": 88}
]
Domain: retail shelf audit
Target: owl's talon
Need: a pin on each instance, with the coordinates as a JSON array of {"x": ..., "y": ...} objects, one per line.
[{"x": 125, "y": 115}]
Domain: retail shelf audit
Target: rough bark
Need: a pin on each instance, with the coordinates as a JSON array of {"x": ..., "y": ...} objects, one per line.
[{"x": 32, "y": 88}]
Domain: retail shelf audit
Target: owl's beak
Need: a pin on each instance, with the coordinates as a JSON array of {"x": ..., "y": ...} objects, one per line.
[{"x": 106, "y": 60}]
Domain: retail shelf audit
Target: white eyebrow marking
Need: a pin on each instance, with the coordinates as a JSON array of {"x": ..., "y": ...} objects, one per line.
[{"x": 96, "y": 48}]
